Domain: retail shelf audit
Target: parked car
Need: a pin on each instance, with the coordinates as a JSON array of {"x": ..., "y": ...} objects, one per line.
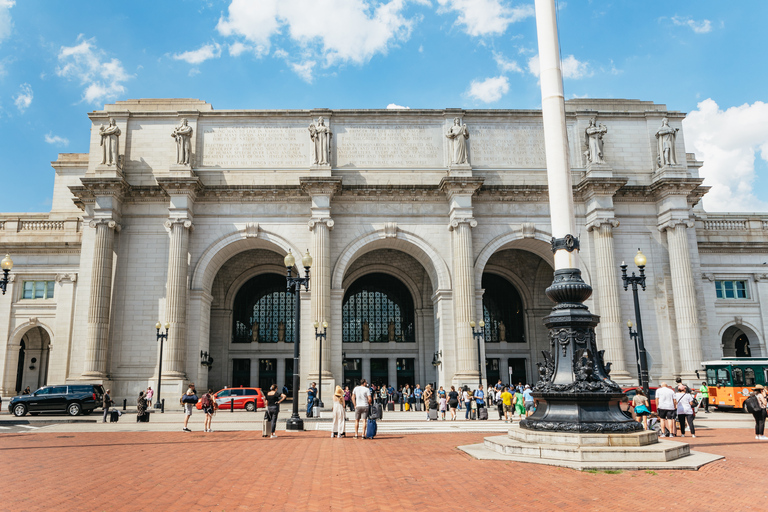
[
  {"x": 632, "y": 391},
  {"x": 72, "y": 399},
  {"x": 244, "y": 398}
]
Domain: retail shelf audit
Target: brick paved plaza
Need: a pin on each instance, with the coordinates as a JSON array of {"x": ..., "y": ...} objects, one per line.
[{"x": 226, "y": 471}]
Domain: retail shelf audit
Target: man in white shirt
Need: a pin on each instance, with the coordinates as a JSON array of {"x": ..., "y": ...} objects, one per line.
[
  {"x": 361, "y": 398},
  {"x": 666, "y": 406}
]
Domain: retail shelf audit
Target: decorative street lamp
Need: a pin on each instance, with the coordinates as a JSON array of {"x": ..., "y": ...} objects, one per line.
[
  {"x": 640, "y": 261},
  {"x": 436, "y": 358},
  {"x": 294, "y": 285},
  {"x": 320, "y": 336},
  {"x": 161, "y": 337},
  {"x": 478, "y": 334},
  {"x": 7, "y": 265},
  {"x": 206, "y": 360}
]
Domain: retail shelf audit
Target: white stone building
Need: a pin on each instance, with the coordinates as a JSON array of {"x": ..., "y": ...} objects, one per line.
[{"x": 408, "y": 248}]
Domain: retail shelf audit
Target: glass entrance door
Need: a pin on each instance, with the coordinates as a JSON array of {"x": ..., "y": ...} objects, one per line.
[
  {"x": 353, "y": 372},
  {"x": 380, "y": 372},
  {"x": 241, "y": 373},
  {"x": 405, "y": 372},
  {"x": 267, "y": 373},
  {"x": 492, "y": 371}
]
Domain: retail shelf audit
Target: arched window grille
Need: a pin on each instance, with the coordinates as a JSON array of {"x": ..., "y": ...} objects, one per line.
[
  {"x": 263, "y": 301},
  {"x": 502, "y": 304},
  {"x": 371, "y": 304}
]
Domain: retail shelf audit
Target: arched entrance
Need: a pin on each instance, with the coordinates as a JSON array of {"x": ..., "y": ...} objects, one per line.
[
  {"x": 32, "y": 359},
  {"x": 740, "y": 341}
]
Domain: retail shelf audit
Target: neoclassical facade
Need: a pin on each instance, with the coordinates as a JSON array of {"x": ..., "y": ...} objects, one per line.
[{"x": 419, "y": 222}]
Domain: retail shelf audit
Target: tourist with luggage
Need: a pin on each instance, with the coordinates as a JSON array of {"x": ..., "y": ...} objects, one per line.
[
  {"x": 188, "y": 401},
  {"x": 685, "y": 406},
  {"x": 273, "y": 406},
  {"x": 757, "y": 404},
  {"x": 453, "y": 401},
  {"x": 209, "y": 406},
  {"x": 482, "y": 410},
  {"x": 106, "y": 403},
  {"x": 361, "y": 398},
  {"x": 339, "y": 414},
  {"x": 141, "y": 408}
]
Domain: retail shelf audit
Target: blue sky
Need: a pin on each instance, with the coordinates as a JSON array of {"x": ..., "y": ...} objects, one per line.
[{"x": 59, "y": 60}]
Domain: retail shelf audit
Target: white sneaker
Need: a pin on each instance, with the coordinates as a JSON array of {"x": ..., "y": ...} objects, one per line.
[
  {"x": 692, "y": 435},
  {"x": 274, "y": 435},
  {"x": 757, "y": 437},
  {"x": 763, "y": 438}
]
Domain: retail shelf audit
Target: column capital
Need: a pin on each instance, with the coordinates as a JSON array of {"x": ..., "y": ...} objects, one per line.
[
  {"x": 320, "y": 220},
  {"x": 180, "y": 186},
  {"x": 110, "y": 223},
  {"x": 71, "y": 277},
  {"x": 462, "y": 220},
  {"x": 674, "y": 223},
  {"x": 759, "y": 278},
  {"x": 466, "y": 185},
  {"x": 320, "y": 185},
  {"x": 182, "y": 223},
  {"x": 602, "y": 222}
]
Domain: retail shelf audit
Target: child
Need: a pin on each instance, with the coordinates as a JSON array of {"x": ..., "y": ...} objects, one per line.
[
  {"x": 443, "y": 405},
  {"x": 653, "y": 422}
]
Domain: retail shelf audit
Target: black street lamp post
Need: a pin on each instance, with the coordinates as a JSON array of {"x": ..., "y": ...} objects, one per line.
[
  {"x": 7, "y": 265},
  {"x": 479, "y": 335},
  {"x": 161, "y": 337},
  {"x": 633, "y": 280},
  {"x": 320, "y": 336},
  {"x": 294, "y": 285}
]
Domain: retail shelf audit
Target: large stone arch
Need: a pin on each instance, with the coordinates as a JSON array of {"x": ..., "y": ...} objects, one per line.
[
  {"x": 409, "y": 283},
  {"x": 12, "y": 351},
  {"x": 732, "y": 330},
  {"x": 407, "y": 242}
]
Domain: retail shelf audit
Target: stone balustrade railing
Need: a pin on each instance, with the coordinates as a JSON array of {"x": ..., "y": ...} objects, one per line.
[
  {"x": 727, "y": 224},
  {"x": 41, "y": 225},
  {"x": 38, "y": 225}
]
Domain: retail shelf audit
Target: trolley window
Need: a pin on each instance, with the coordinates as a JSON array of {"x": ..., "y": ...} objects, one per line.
[
  {"x": 723, "y": 377},
  {"x": 749, "y": 377},
  {"x": 711, "y": 377},
  {"x": 738, "y": 377}
]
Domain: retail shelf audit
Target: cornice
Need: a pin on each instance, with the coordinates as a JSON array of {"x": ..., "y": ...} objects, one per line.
[
  {"x": 589, "y": 187},
  {"x": 320, "y": 185},
  {"x": 732, "y": 247},
  {"x": 391, "y": 193},
  {"x": 513, "y": 193},
  {"x": 252, "y": 194},
  {"x": 190, "y": 186},
  {"x": 464, "y": 185}
]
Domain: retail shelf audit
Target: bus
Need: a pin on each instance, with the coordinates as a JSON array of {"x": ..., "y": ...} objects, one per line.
[{"x": 731, "y": 379}]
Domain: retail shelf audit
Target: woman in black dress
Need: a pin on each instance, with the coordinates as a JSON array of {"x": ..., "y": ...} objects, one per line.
[
  {"x": 273, "y": 406},
  {"x": 453, "y": 401},
  {"x": 141, "y": 407}
]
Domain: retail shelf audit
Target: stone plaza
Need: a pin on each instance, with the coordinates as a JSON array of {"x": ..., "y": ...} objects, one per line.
[{"x": 419, "y": 222}]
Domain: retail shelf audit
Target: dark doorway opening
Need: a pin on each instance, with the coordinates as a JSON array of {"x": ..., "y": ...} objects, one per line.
[
  {"x": 405, "y": 371},
  {"x": 353, "y": 371},
  {"x": 267, "y": 373},
  {"x": 20, "y": 367},
  {"x": 380, "y": 372},
  {"x": 241, "y": 373}
]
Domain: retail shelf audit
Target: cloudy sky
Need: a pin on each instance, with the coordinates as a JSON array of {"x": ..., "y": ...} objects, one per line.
[{"x": 59, "y": 60}]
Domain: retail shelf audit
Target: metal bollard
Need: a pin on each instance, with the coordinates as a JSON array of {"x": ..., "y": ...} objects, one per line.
[
  {"x": 162, "y": 406},
  {"x": 125, "y": 403},
  {"x": 231, "y": 405}
]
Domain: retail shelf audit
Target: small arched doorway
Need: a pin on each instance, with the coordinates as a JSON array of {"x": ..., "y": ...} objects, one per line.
[
  {"x": 32, "y": 363},
  {"x": 740, "y": 341}
]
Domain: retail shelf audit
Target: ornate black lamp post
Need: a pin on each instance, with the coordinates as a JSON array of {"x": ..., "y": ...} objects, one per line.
[
  {"x": 7, "y": 265},
  {"x": 294, "y": 285},
  {"x": 320, "y": 336},
  {"x": 640, "y": 261},
  {"x": 479, "y": 335},
  {"x": 161, "y": 337}
]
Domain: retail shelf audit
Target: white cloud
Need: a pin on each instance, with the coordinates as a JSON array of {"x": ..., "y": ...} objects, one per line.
[
  {"x": 202, "y": 54},
  {"x": 700, "y": 27},
  {"x": 193, "y": 72},
  {"x": 485, "y": 17},
  {"x": 56, "y": 140},
  {"x": 570, "y": 66},
  {"x": 335, "y": 31},
  {"x": 506, "y": 66},
  {"x": 24, "y": 99},
  {"x": 490, "y": 89},
  {"x": 727, "y": 142},
  {"x": 6, "y": 25},
  {"x": 395, "y": 106},
  {"x": 103, "y": 79},
  {"x": 304, "y": 70}
]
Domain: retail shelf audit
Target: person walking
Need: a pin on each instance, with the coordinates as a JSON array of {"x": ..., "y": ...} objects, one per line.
[
  {"x": 141, "y": 407},
  {"x": 188, "y": 400},
  {"x": 506, "y": 403},
  {"x": 348, "y": 399},
  {"x": 760, "y": 415},
  {"x": 642, "y": 408},
  {"x": 528, "y": 400},
  {"x": 106, "y": 403},
  {"x": 417, "y": 397},
  {"x": 209, "y": 406},
  {"x": 666, "y": 407},
  {"x": 685, "y": 413},
  {"x": 519, "y": 402},
  {"x": 273, "y": 406},
  {"x": 467, "y": 399},
  {"x": 428, "y": 397},
  {"x": 311, "y": 394},
  {"x": 443, "y": 403},
  {"x": 704, "y": 402},
  {"x": 149, "y": 395},
  {"x": 339, "y": 414},
  {"x": 479, "y": 399},
  {"x": 383, "y": 396},
  {"x": 453, "y": 401},
  {"x": 361, "y": 398}
]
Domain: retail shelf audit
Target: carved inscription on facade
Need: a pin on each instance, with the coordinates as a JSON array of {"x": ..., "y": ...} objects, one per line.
[
  {"x": 389, "y": 145},
  {"x": 507, "y": 145},
  {"x": 255, "y": 146}
]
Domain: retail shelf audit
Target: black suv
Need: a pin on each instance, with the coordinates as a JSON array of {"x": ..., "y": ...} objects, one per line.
[{"x": 73, "y": 399}]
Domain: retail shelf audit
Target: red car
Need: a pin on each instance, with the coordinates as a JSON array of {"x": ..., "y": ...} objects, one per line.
[
  {"x": 244, "y": 398},
  {"x": 631, "y": 392}
]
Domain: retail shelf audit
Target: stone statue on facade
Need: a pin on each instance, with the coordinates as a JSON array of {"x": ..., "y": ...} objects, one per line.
[
  {"x": 459, "y": 135},
  {"x": 665, "y": 140},
  {"x": 594, "y": 142},
  {"x": 255, "y": 332},
  {"x": 110, "y": 143},
  {"x": 366, "y": 332},
  {"x": 281, "y": 332},
  {"x": 183, "y": 136},
  {"x": 502, "y": 332},
  {"x": 391, "y": 331},
  {"x": 321, "y": 142}
]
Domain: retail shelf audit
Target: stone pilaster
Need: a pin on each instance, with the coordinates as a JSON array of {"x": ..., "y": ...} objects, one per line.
[
  {"x": 99, "y": 299},
  {"x": 684, "y": 296},
  {"x": 176, "y": 297},
  {"x": 608, "y": 285}
]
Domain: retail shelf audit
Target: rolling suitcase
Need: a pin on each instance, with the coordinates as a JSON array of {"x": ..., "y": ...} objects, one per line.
[
  {"x": 376, "y": 411},
  {"x": 266, "y": 426},
  {"x": 433, "y": 414},
  {"x": 482, "y": 413},
  {"x": 473, "y": 414},
  {"x": 391, "y": 406},
  {"x": 114, "y": 416},
  {"x": 370, "y": 429}
]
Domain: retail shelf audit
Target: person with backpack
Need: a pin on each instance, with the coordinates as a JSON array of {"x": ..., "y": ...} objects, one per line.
[
  {"x": 685, "y": 406},
  {"x": 311, "y": 394},
  {"x": 105, "y": 404},
  {"x": 757, "y": 404},
  {"x": 209, "y": 406},
  {"x": 188, "y": 400}
]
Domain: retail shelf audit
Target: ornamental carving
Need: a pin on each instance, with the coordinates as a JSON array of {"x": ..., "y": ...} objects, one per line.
[
  {"x": 324, "y": 220},
  {"x": 569, "y": 242},
  {"x": 463, "y": 220}
]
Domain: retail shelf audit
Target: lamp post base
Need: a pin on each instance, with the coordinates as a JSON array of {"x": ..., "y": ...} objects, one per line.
[
  {"x": 294, "y": 423},
  {"x": 580, "y": 412}
]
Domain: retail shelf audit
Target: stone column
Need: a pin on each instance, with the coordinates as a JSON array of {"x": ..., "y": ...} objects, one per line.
[
  {"x": 684, "y": 297},
  {"x": 608, "y": 286},
  {"x": 176, "y": 298},
  {"x": 464, "y": 300},
  {"x": 99, "y": 299}
]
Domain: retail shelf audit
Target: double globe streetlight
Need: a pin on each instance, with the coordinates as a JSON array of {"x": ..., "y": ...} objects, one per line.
[
  {"x": 294, "y": 285},
  {"x": 161, "y": 337},
  {"x": 320, "y": 336},
  {"x": 478, "y": 334},
  {"x": 637, "y": 336},
  {"x": 6, "y": 264}
]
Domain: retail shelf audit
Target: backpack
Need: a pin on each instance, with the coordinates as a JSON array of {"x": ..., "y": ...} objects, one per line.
[
  {"x": 206, "y": 400},
  {"x": 751, "y": 404}
]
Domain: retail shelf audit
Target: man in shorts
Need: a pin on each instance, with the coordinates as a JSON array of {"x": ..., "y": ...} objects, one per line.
[
  {"x": 509, "y": 410},
  {"x": 666, "y": 407},
  {"x": 361, "y": 398},
  {"x": 188, "y": 400},
  {"x": 530, "y": 403}
]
